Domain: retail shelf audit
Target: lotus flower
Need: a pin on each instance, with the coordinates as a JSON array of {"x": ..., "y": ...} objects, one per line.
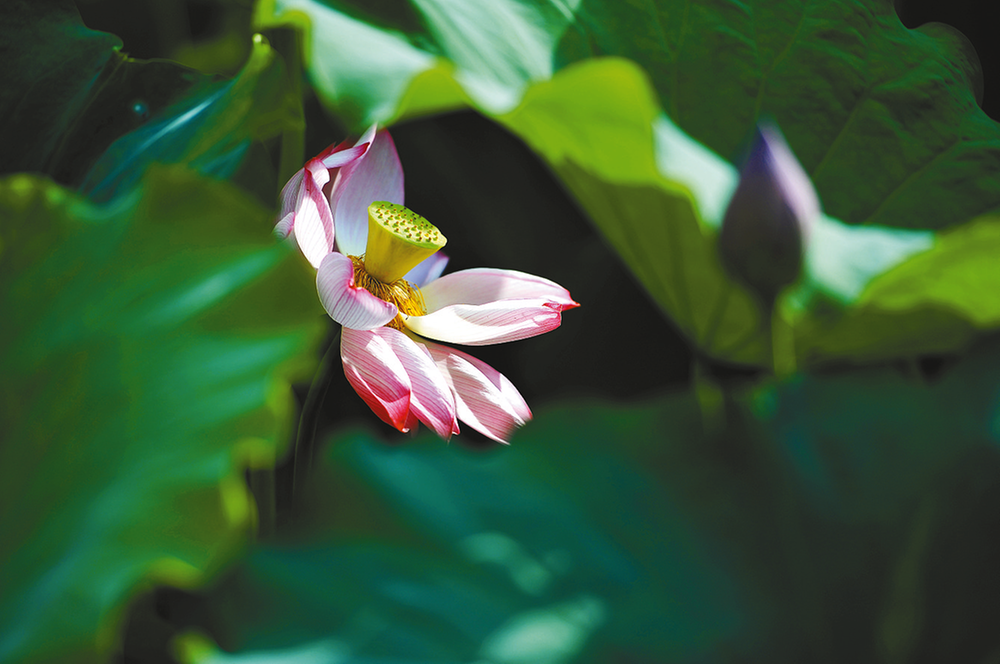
[{"x": 379, "y": 270}]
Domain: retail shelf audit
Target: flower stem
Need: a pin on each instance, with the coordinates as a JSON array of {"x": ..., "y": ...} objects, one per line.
[
  {"x": 782, "y": 343},
  {"x": 305, "y": 439},
  {"x": 711, "y": 397}
]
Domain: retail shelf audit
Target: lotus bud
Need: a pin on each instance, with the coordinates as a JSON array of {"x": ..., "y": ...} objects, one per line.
[{"x": 767, "y": 222}]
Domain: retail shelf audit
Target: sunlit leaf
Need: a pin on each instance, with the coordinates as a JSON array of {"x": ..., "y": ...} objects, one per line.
[
  {"x": 884, "y": 118},
  {"x": 938, "y": 300},
  {"x": 146, "y": 353},
  {"x": 656, "y": 193}
]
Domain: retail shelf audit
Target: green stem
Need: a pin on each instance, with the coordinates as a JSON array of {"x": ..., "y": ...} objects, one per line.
[
  {"x": 782, "y": 343},
  {"x": 305, "y": 439},
  {"x": 711, "y": 400}
]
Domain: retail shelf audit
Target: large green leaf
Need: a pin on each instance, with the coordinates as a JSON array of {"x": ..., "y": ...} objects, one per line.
[
  {"x": 657, "y": 194},
  {"x": 558, "y": 549},
  {"x": 809, "y": 526},
  {"x": 662, "y": 213},
  {"x": 939, "y": 299},
  {"x": 80, "y": 111},
  {"x": 209, "y": 131},
  {"x": 146, "y": 354},
  {"x": 884, "y": 118}
]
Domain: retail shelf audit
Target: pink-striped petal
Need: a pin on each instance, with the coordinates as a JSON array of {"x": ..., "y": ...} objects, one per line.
[
  {"x": 412, "y": 423},
  {"x": 313, "y": 224},
  {"x": 351, "y": 306},
  {"x": 377, "y": 375},
  {"x": 376, "y": 176},
  {"x": 431, "y": 399},
  {"x": 427, "y": 270},
  {"x": 485, "y": 399},
  {"x": 493, "y": 323},
  {"x": 341, "y": 155},
  {"x": 283, "y": 228},
  {"x": 293, "y": 194},
  {"x": 290, "y": 194},
  {"x": 486, "y": 285}
]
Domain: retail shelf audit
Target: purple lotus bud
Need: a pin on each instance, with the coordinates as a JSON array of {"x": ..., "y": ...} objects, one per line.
[{"x": 767, "y": 222}]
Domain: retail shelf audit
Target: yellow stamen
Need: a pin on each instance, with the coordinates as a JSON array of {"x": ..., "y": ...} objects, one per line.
[
  {"x": 401, "y": 292},
  {"x": 398, "y": 239}
]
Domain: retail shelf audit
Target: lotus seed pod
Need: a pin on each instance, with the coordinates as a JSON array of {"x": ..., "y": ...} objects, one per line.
[
  {"x": 398, "y": 239},
  {"x": 767, "y": 222}
]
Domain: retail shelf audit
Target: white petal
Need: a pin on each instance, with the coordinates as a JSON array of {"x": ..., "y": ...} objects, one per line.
[
  {"x": 427, "y": 270},
  {"x": 485, "y": 285},
  {"x": 493, "y": 323},
  {"x": 376, "y": 176},
  {"x": 313, "y": 223},
  {"x": 347, "y": 304}
]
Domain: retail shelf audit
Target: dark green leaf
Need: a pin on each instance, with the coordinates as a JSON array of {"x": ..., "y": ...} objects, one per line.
[
  {"x": 210, "y": 131},
  {"x": 817, "y": 523},
  {"x": 66, "y": 93}
]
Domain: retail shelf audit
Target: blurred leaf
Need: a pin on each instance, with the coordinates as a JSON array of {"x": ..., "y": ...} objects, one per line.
[
  {"x": 124, "y": 114},
  {"x": 558, "y": 549},
  {"x": 883, "y": 118},
  {"x": 896, "y": 482},
  {"x": 209, "y": 132},
  {"x": 146, "y": 354},
  {"x": 807, "y": 529},
  {"x": 66, "y": 93}
]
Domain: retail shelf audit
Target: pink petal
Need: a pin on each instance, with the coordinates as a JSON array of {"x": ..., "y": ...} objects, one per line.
[
  {"x": 485, "y": 399},
  {"x": 284, "y": 226},
  {"x": 294, "y": 196},
  {"x": 313, "y": 223},
  {"x": 377, "y": 375},
  {"x": 341, "y": 155},
  {"x": 427, "y": 270},
  {"x": 347, "y": 304},
  {"x": 431, "y": 399},
  {"x": 485, "y": 285},
  {"x": 412, "y": 423},
  {"x": 376, "y": 176},
  {"x": 289, "y": 198},
  {"x": 493, "y": 323}
]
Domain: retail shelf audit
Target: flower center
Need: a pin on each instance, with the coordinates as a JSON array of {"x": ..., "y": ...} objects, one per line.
[
  {"x": 401, "y": 292},
  {"x": 398, "y": 239}
]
